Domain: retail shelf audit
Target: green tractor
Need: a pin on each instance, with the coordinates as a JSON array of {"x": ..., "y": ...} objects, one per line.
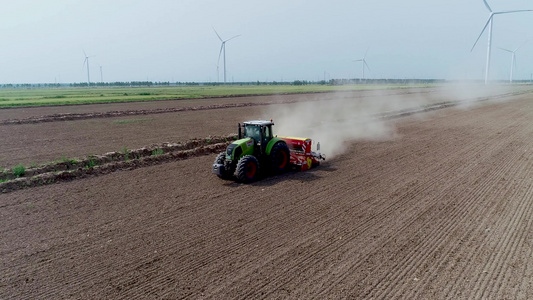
[{"x": 257, "y": 151}]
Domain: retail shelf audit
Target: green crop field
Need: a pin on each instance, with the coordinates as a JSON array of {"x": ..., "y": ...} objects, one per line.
[{"x": 11, "y": 97}]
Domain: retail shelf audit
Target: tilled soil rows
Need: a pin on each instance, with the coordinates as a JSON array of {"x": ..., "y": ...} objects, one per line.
[{"x": 440, "y": 212}]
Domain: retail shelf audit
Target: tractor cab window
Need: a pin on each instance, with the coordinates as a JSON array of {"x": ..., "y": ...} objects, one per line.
[
  {"x": 266, "y": 135},
  {"x": 253, "y": 132}
]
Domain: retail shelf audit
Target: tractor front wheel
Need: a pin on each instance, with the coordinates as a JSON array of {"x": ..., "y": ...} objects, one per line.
[
  {"x": 221, "y": 160},
  {"x": 247, "y": 169}
]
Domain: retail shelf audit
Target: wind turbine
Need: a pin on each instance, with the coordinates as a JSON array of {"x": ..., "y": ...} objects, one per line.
[
  {"x": 223, "y": 49},
  {"x": 363, "y": 64},
  {"x": 513, "y": 59},
  {"x": 489, "y": 24},
  {"x": 86, "y": 61}
]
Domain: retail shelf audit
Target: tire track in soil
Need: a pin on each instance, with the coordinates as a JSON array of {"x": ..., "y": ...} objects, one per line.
[
  {"x": 490, "y": 227},
  {"x": 475, "y": 194},
  {"x": 523, "y": 290},
  {"x": 473, "y": 260},
  {"x": 425, "y": 214},
  {"x": 503, "y": 247},
  {"x": 520, "y": 235},
  {"x": 434, "y": 180},
  {"x": 450, "y": 253},
  {"x": 387, "y": 280}
]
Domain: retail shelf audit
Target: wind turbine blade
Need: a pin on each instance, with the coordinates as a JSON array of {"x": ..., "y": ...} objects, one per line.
[
  {"x": 505, "y": 50},
  {"x": 220, "y": 53},
  {"x": 357, "y": 60},
  {"x": 520, "y": 46},
  {"x": 487, "y": 5},
  {"x": 482, "y": 31},
  {"x": 368, "y": 67},
  {"x": 217, "y": 34},
  {"x": 232, "y": 38},
  {"x": 511, "y": 11}
]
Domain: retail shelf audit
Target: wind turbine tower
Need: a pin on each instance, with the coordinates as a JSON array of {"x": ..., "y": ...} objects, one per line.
[
  {"x": 86, "y": 62},
  {"x": 223, "y": 49},
  {"x": 363, "y": 65},
  {"x": 513, "y": 60},
  {"x": 490, "y": 25}
]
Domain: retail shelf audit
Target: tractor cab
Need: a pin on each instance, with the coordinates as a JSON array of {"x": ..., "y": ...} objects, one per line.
[{"x": 259, "y": 131}]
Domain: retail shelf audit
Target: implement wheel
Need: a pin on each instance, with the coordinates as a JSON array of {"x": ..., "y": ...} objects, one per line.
[
  {"x": 279, "y": 158},
  {"x": 247, "y": 169}
]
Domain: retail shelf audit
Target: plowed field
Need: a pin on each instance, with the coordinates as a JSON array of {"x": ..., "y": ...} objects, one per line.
[{"x": 440, "y": 210}]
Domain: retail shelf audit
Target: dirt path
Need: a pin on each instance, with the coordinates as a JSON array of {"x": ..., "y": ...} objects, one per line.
[{"x": 443, "y": 212}]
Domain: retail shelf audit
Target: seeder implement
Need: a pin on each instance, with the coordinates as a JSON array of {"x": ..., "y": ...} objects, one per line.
[{"x": 302, "y": 158}]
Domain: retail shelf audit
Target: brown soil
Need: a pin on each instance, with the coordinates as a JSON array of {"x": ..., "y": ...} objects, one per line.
[{"x": 441, "y": 212}]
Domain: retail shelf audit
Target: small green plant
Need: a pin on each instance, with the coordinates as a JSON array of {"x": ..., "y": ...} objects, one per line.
[
  {"x": 19, "y": 170},
  {"x": 68, "y": 160},
  {"x": 126, "y": 153},
  {"x": 4, "y": 180},
  {"x": 91, "y": 162},
  {"x": 157, "y": 152},
  {"x": 208, "y": 141}
]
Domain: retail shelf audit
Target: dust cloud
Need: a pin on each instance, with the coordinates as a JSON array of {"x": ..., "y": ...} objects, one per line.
[
  {"x": 337, "y": 122},
  {"x": 356, "y": 116}
]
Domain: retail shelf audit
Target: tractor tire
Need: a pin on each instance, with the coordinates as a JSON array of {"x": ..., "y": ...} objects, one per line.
[
  {"x": 279, "y": 158},
  {"x": 221, "y": 159},
  {"x": 247, "y": 169}
]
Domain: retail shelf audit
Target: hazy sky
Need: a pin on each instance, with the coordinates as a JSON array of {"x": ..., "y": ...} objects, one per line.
[{"x": 42, "y": 41}]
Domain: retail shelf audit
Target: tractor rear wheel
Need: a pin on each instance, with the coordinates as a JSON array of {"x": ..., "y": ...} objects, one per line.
[
  {"x": 279, "y": 158},
  {"x": 247, "y": 169}
]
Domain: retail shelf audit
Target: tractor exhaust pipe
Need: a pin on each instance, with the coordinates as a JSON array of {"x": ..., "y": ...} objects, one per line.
[{"x": 240, "y": 131}]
